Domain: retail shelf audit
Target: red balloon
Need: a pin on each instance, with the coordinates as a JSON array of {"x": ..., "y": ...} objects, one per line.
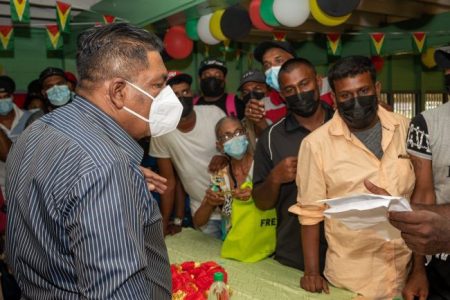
[
  {"x": 177, "y": 43},
  {"x": 255, "y": 17},
  {"x": 378, "y": 63}
]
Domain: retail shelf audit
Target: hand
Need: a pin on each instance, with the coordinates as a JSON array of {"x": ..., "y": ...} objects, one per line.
[
  {"x": 217, "y": 163},
  {"x": 155, "y": 183},
  {"x": 374, "y": 189},
  {"x": 416, "y": 286},
  {"x": 424, "y": 232},
  {"x": 254, "y": 111},
  {"x": 174, "y": 229},
  {"x": 285, "y": 171},
  {"x": 314, "y": 283},
  {"x": 242, "y": 194},
  {"x": 214, "y": 198}
]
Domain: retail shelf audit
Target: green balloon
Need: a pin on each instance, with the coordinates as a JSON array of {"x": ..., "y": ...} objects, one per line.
[
  {"x": 266, "y": 11},
  {"x": 191, "y": 29}
]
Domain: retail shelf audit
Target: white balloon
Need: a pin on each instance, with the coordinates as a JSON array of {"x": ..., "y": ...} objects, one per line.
[
  {"x": 291, "y": 13},
  {"x": 203, "y": 30}
]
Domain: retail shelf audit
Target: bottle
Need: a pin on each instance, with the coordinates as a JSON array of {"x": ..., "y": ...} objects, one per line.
[{"x": 218, "y": 290}]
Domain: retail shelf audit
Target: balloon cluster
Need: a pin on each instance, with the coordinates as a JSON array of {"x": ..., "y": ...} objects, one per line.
[{"x": 235, "y": 22}]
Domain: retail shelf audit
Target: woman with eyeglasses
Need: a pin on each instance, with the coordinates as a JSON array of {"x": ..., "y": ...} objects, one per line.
[{"x": 230, "y": 193}]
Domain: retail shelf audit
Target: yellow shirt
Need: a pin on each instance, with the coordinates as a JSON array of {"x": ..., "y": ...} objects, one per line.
[{"x": 333, "y": 162}]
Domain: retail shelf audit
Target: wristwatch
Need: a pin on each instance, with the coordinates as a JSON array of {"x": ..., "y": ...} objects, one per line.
[{"x": 177, "y": 221}]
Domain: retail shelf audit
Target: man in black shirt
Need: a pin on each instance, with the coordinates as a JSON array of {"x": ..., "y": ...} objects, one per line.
[
  {"x": 212, "y": 73},
  {"x": 276, "y": 153}
]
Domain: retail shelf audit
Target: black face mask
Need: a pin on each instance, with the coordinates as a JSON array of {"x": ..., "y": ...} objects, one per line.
[
  {"x": 303, "y": 104},
  {"x": 359, "y": 113},
  {"x": 188, "y": 105},
  {"x": 253, "y": 95},
  {"x": 212, "y": 87},
  {"x": 447, "y": 82}
]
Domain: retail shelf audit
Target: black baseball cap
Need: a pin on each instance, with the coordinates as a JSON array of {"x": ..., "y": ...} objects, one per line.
[
  {"x": 252, "y": 76},
  {"x": 51, "y": 71},
  {"x": 210, "y": 63},
  {"x": 174, "y": 77},
  {"x": 7, "y": 85},
  {"x": 442, "y": 57},
  {"x": 259, "y": 51}
]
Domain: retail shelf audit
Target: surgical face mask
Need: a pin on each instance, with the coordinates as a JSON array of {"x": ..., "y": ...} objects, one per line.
[
  {"x": 253, "y": 95},
  {"x": 6, "y": 106},
  {"x": 272, "y": 77},
  {"x": 236, "y": 147},
  {"x": 58, "y": 95},
  {"x": 447, "y": 82},
  {"x": 359, "y": 112},
  {"x": 188, "y": 105},
  {"x": 303, "y": 104},
  {"x": 212, "y": 86},
  {"x": 165, "y": 111}
]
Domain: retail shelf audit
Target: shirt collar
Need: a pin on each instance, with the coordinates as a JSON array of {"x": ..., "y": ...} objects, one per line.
[
  {"x": 338, "y": 126},
  {"x": 17, "y": 115},
  {"x": 110, "y": 127}
]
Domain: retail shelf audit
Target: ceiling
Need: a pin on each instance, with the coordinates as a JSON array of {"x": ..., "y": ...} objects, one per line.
[{"x": 161, "y": 13}]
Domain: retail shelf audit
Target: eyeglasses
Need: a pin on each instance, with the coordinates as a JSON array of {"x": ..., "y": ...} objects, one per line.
[{"x": 228, "y": 136}]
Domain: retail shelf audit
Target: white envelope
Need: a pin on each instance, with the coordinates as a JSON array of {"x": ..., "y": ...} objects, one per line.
[{"x": 367, "y": 211}]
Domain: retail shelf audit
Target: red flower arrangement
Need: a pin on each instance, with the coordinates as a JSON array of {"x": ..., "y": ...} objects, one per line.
[{"x": 191, "y": 280}]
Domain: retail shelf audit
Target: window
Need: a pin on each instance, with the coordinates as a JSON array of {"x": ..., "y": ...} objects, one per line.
[
  {"x": 433, "y": 100},
  {"x": 404, "y": 103}
]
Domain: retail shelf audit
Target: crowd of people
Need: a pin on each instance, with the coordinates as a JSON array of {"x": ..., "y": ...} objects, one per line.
[{"x": 251, "y": 164}]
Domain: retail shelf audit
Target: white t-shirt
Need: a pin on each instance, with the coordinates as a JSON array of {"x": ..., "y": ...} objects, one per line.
[
  {"x": 191, "y": 152},
  {"x": 17, "y": 117}
]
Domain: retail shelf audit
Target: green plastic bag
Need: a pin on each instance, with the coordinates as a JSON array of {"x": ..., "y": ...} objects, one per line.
[{"x": 252, "y": 236}]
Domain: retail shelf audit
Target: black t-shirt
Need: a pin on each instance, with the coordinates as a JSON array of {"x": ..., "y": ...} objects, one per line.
[
  {"x": 281, "y": 140},
  {"x": 222, "y": 104}
]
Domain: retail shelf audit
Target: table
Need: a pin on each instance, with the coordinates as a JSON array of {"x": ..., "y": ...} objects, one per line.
[{"x": 266, "y": 279}]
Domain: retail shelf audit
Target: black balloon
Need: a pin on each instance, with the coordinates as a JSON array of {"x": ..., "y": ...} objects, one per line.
[
  {"x": 337, "y": 8},
  {"x": 235, "y": 22}
]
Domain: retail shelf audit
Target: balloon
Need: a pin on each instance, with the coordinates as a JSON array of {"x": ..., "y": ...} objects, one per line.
[
  {"x": 378, "y": 63},
  {"x": 323, "y": 18},
  {"x": 291, "y": 13},
  {"x": 266, "y": 11},
  {"x": 255, "y": 17},
  {"x": 428, "y": 58},
  {"x": 214, "y": 25},
  {"x": 203, "y": 30},
  {"x": 236, "y": 23},
  {"x": 191, "y": 29},
  {"x": 177, "y": 43}
]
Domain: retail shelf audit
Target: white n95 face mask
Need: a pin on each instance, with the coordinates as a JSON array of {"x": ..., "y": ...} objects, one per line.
[{"x": 165, "y": 112}]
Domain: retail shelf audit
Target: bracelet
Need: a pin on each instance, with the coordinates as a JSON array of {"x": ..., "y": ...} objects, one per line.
[{"x": 177, "y": 221}]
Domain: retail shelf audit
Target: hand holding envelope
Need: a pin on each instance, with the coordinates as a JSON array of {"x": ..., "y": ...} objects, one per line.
[{"x": 366, "y": 211}]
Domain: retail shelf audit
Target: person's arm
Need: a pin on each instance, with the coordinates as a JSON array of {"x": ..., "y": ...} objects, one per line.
[
  {"x": 180, "y": 196},
  {"x": 210, "y": 202},
  {"x": 312, "y": 280},
  {"x": 168, "y": 197},
  {"x": 266, "y": 193},
  {"x": 5, "y": 145},
  {"x": 115, "y": 236}
]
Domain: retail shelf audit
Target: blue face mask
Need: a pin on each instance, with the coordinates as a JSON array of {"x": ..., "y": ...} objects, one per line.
[
  {"x": 236, "y": 147},
  {"x": 272, "y": 77},
  {"x": 6, "y": 106},
  {"x": 58, "y": 95}
]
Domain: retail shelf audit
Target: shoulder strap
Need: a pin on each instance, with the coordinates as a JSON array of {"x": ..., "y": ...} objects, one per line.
[
  {"x": 195, "y": 101},
  {"x": 231, "y": 105}
]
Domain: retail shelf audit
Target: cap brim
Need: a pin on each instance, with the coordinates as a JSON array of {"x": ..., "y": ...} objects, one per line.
[
  {"x": 181, "y": 77},
  {"x": 223, "y": 69},
  {"x": 264, "y": 46},
  {"x": 442, "y": 59}
]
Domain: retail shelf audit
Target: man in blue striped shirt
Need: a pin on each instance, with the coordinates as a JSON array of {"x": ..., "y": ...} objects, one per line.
[{"x": 82, "y": 222}]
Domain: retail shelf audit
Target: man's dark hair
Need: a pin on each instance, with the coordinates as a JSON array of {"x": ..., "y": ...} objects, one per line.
[
  {"x": 350, "y": 67},
  {"x": 293, "y": 63},
  {"x": 115, "y": 50}
]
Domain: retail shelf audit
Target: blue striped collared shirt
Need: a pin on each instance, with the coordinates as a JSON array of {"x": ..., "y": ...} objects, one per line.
[{"x": 81, "y": 221}]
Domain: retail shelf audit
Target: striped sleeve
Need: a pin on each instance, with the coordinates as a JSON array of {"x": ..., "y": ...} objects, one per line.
[{"x": 106, "y": 236}]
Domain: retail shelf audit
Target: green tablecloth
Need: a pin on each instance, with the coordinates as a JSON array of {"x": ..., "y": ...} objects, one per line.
[{"x": 266, "y": 279}]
